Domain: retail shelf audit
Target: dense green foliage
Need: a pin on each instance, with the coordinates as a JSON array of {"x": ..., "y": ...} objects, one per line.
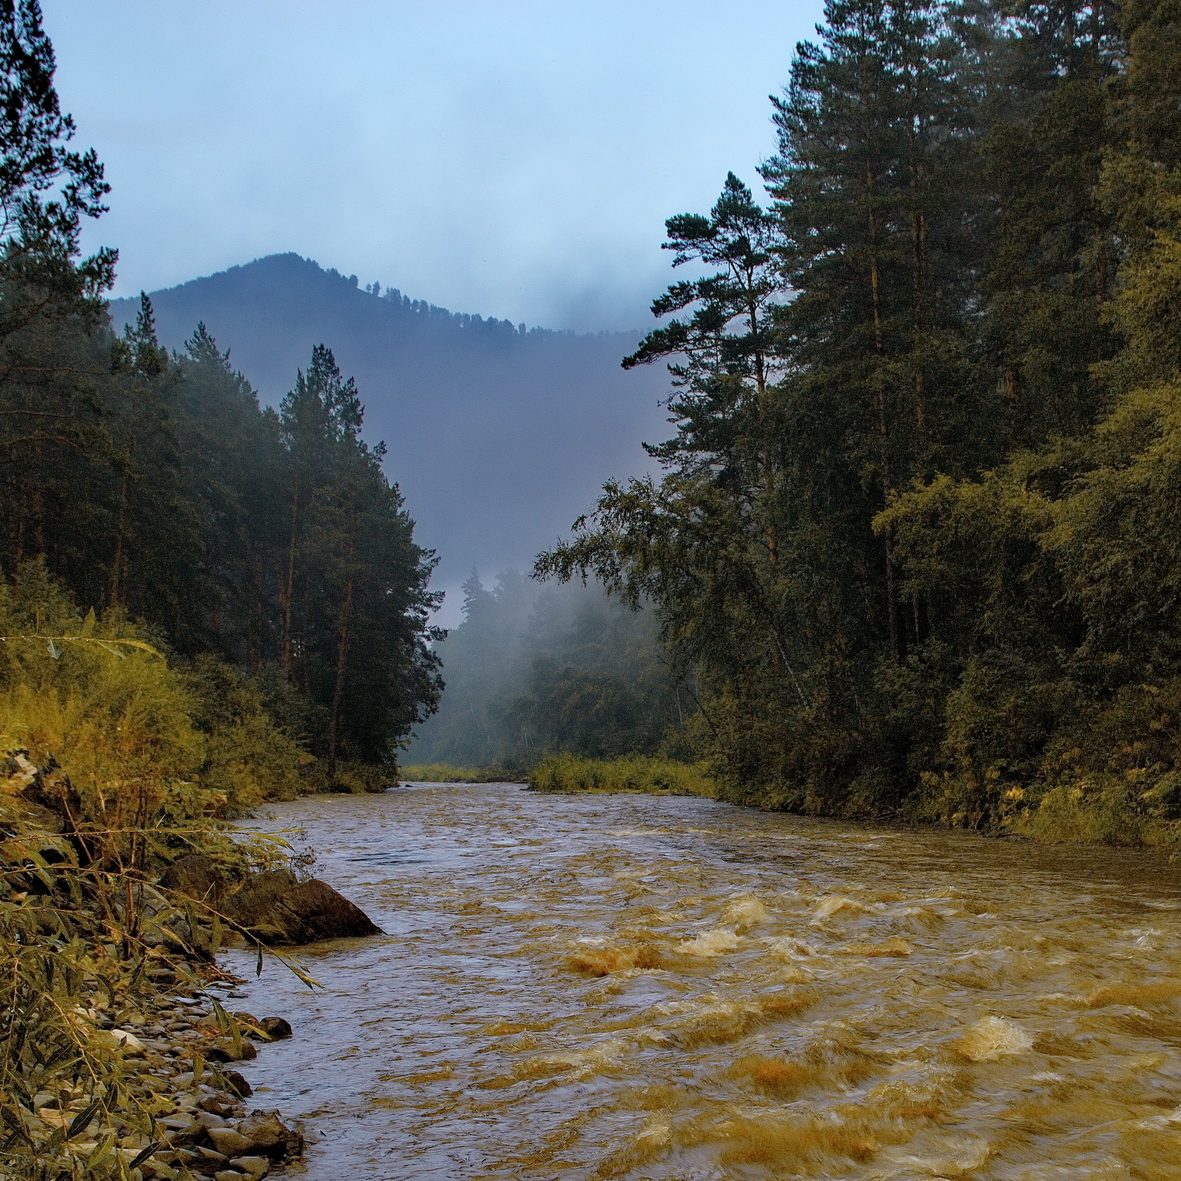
[
  {"x": 531, "y": 673},
  {"x": 917, "y": 527},
  {"x": 155, "y": 486}
]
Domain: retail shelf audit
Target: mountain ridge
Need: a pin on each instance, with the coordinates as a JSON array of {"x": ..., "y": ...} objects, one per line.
[{"x": 499, "y": 435}]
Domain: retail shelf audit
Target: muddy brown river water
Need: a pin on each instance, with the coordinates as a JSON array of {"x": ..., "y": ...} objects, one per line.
[{"x": 582, "y": 987}]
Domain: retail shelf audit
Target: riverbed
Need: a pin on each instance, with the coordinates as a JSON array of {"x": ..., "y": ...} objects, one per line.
[{"x": 585, "y": 986}]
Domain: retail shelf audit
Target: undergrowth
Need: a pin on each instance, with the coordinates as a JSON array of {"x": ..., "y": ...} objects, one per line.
[
  {"x": 112, "y": 765},
  {"x": 628, "y": 773}
]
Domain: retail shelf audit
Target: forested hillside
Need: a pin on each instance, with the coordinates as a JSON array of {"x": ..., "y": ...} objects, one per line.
[
  {"x": 499, "y": 434},
  {"x": 917, "y": 527},
  {"x": 264, "y": 548}
]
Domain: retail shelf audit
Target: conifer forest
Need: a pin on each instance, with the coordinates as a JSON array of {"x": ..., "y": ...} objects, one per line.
[
  {"x": 916, "y": 532},
  {"x": 912, "y": 551}
]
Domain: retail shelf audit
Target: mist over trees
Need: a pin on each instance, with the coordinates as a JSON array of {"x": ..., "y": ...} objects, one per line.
[
  {"x": 536, "y": 670},
  {"x": 916, "y": 530}
]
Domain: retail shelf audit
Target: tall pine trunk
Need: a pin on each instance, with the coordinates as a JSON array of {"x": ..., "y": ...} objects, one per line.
[
  {"x": 287, "y": 584},
  {"x": 344, "y": 620}
]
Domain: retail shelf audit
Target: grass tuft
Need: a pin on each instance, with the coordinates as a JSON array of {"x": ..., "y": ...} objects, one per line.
[{"x": 629, "y": 773}]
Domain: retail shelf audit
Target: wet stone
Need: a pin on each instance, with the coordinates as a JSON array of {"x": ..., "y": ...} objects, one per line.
[
  {"x": 227, "y": 1050},
  {"x": 276, "y": 1028},
  {"x": 229, "y": 1141},
  {"x": 253, "y": 1166},
  {"x": 216, "y": 1105},
  {"x": 236, "y": 1084},
  {"x": 267, "y": 1132}
]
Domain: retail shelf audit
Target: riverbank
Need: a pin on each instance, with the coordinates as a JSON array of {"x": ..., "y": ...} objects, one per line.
[
  {"x": 120, "y": 1034},
  {"x": 189, "y": 1115},
  {"x": 628, "y": 773}
]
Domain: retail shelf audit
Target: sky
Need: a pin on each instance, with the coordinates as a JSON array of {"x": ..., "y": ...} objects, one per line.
[{"x": 515, "y": 159}]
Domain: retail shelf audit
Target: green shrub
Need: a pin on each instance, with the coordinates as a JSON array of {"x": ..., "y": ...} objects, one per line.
[
  {"x": 246, "y": 756},
  {"x": 629, "y": 773}
]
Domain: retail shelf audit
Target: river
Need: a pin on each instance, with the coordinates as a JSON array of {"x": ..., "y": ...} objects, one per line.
[{"x": 581, "y": 987}]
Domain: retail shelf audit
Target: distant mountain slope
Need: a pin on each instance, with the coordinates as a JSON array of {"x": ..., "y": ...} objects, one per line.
[{"x": 498, "y": 437}]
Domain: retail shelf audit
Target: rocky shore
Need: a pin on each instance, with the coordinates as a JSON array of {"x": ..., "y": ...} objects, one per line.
[
  {"x": 118, "y": 1033},
  {"x": 178, "y": 1046}
]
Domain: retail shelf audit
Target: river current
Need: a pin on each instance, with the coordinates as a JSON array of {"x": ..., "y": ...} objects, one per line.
[{"x": 580, "y": 987}]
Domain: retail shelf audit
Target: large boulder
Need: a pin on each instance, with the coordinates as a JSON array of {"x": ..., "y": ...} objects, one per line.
[
  {"x": 277, "y": 908},
  {"x": 274, "y": 906}
]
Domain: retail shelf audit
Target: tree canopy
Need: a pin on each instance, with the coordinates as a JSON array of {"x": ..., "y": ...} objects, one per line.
[{"x": 916, "y": 527}]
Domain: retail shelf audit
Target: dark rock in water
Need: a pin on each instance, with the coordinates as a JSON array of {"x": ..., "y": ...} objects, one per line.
[
  {"x": 276, "y": 1028},
  {"x": 236, "y": 1084},
  {"x": 196, "y": 875},
  {"x": 277, "y": 908},
  {"x": 274, "y": 906},
  {"x": 270, "y": 1136}
]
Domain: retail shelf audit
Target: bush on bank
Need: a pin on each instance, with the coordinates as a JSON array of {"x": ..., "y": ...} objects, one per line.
[
  {"x": 630, "y": 773},
  {"x": 446, "y": 773}
]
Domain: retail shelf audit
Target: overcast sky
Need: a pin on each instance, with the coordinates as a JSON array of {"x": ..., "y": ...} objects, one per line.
[{"x": 515, "y": 159}]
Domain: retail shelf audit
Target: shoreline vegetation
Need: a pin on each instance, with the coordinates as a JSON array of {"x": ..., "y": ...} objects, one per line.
[
  {"x": 1058, "y": 817},
  {"x": 119, "y": 774},
  {"x": 446, "y": 773},
  {"x": 642, "y": 774}
]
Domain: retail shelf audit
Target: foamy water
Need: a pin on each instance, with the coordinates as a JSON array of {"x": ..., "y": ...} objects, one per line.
[{"x": 581, "y": 987}]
